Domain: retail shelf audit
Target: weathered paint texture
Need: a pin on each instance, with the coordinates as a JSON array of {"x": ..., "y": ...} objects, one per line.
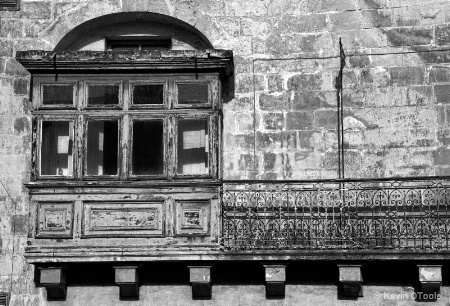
[{"x": 282, "y": 123}]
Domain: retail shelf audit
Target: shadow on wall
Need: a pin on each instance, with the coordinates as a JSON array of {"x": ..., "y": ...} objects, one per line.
[{"x": 401, "y": 273}]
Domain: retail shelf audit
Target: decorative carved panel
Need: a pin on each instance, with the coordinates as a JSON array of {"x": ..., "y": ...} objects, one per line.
[
  {"x": 192, "y": 218},
  {"x": 122, "y": 219},
  {"x": 55, "y": 220}
]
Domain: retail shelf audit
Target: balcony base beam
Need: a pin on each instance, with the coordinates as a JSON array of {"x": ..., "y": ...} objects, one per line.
[
  {"x": 351, "y": 279},
  {"x": 54, "y": 281},
  {"x": 275, "y": 281},
  {"x": 200, "y": 279},
  {"x": 126, "y": 277},
  {"x": 430, "y": 277}
]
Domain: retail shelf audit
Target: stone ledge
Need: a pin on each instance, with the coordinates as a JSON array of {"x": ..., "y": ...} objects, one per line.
[{"x": 215, "y": 253}]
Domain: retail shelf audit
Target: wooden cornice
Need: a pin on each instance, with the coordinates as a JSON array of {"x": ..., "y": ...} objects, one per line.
[{"x": 211, "y": 60}]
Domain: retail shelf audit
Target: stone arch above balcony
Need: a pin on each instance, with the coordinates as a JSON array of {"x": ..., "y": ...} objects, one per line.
[
  {"x": 91, "y": 35},
  {"x": 69, "y": 16}
]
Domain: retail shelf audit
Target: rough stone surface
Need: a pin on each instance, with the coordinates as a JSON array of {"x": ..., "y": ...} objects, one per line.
[{"x": 409, "y": 36}]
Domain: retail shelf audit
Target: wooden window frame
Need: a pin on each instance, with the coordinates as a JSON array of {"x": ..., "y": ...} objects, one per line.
[
  {"x": 85, "y": 87},
  {"x": 39, "y": 95},
  {"x": 126, "y": 113},
  {"x": 64, "y": 118},
  {"x": 212, "y": 139},
  {"x": 154, "y": 117},
  {"x": 164, "y": 105},
  {"x": 209, "y": 104},
  {"x": 83, "y": 153}
]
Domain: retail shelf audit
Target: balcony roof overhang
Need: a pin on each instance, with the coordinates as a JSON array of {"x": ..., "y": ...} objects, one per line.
[{"x": 210, "y": 60}]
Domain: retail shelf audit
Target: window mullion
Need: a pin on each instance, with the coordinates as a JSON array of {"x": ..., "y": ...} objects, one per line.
[
  {"x": 124, "y": 134},
  {"x": 170, "y": 134},
  {"x": 171, "y": 95},
  {"x": 81, "y": 103},
  {"x": 79, "y": 152},
  {"x": 126, "y": 96},
  {"x": 78, "y": 95},
  {"x": 125, "y": 147},
  {"x": 213, "y": 126}
]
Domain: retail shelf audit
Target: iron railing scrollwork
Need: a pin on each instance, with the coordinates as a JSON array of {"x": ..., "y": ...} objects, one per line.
[{"x": 371, "y": 214}]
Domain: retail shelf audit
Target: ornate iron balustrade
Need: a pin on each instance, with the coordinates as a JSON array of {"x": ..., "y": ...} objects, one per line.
[{"x": 372, "y": 214}]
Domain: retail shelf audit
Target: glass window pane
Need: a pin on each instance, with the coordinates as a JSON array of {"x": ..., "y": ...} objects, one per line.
[
  {"x": 57, "y": 94},
  {"x": 56, "y": 148},
  {"x": 103, "y": 94},
  {"x": 102, "y": 147},
  {"x": 148, "y": 147},
  {"x": 193, "y": 146},
  {"x": 192, "y": 93},
  {"x": 148, "y": 94}
]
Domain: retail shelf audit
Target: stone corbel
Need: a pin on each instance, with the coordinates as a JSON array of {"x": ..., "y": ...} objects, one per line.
[
  {"x": 275, "y": 281},
  {"x": 430, "y": 277},
  {"x": 54, "y": 280},
  {"x": 200, "y": 279},
  {"x": 126, "y": 277},
  {"x": 351, "y": 278}
]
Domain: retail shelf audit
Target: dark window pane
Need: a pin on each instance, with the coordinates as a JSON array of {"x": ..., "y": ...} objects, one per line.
[
  {"x": 157, "y": 44},
  {"x": 123, "y": 46},
  {"x": 103, "y": 94},
  {"x": 139, "y": 44},
  {"x": 148, "y": 147},
  {"x": 148, "y": 94},
  {"x": 57, "y": 94},
  {"x": 102, "y": 145},
  {"x": 192, "y": 93},
  {"x": 193, "y": 146},
  {"x": 56, "y": 148}
]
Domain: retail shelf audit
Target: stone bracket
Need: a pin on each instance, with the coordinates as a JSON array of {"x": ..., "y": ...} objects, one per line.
[
  {"x": 200, "y": 279},
  {"x": 54, "y": 281},
  {"x": 351, "y": 278},
  {"x": 430, "y": 277},
  {"x": 126, "y": 277},
  {"x": 275, "y": 276}
]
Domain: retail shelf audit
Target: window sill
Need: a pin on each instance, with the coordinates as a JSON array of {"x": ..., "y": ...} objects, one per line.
[{"x": 123, "y": 184}]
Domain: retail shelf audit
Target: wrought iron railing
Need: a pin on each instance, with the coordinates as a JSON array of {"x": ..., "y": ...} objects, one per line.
[{"x": 370, "y": 214}]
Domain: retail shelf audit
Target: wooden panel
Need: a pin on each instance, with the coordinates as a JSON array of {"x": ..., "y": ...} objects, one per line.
[
  {"x": 192, "y": 218},
  {"x": 55, "y": 220},
  {"x": 122, "y": 219}
]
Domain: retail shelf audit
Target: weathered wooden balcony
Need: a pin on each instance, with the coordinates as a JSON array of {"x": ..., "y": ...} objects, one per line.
[
  {"x": 382, "y": 216},
  {"x": 343, "y": 220}
]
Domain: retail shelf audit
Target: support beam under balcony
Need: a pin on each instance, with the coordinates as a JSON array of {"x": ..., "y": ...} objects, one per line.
[
  {"x": 351, "y": 278},
  {"x": 54, "y": 280},
  {"x": 200, "y": 279},
  {"x": 126, "y": 277},
  {"x": 430, "y": 277},
  {"x": 275, "y": 281}
]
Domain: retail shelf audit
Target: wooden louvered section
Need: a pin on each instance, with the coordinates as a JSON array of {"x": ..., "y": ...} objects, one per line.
[
  {"x": 9, "y": 5},
  {"x": 4, "y": 299}
]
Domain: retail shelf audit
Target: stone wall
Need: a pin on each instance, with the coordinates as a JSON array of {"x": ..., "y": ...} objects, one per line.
[
  {"x": 240, "y": 295},
  {"x": 282, "y": 123},
  {"x": 394, "y": 97},
  {"x": 15, "y": 159}
]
